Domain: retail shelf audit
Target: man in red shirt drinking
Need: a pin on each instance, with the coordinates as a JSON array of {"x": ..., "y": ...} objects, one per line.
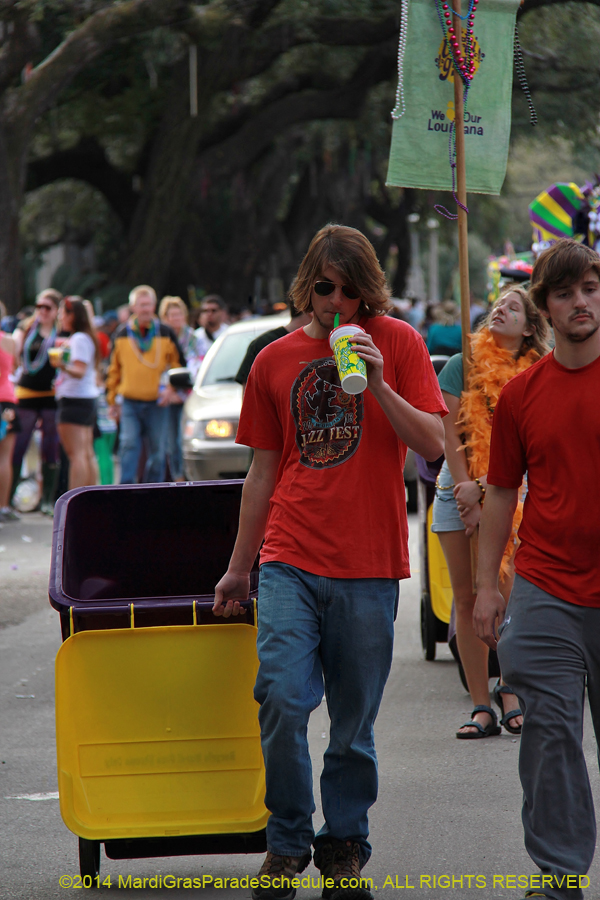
[
  {"x": 547, "y": 424},
  {"x": 325, "y": 491}
]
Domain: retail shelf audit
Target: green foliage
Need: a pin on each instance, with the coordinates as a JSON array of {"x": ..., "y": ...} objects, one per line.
[
  {"x": 560, "y": 45},
  {"x": 560, "y": 54},
  {"x": 71, "y": 212},
  {"x": 65, "y": 13},
  {"x": 69, "y": 281},
  {"x": 113, "y": 295},
  {"x": 121, "y": 99},
  {"x": 118, "y": 99},
  {"x": 299, "y": 10},
  {"x": 479, "y": 254}
]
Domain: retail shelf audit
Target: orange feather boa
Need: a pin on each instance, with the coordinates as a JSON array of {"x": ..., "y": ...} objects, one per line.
[{"x": 491, "y": 368}]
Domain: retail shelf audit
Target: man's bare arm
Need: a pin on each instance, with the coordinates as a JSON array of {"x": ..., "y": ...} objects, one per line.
[
  {"x": 422, "y": 431},
  {"x": 494, "y": 532},
  {"x": 234, "y": 586}
]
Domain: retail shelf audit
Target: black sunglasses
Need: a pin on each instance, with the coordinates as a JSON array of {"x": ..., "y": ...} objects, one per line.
[
  {"x": 324, "y": 288},
  {"x": 44, "y": 306}
]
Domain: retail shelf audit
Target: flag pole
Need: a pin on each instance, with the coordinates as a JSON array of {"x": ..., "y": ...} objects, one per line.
[
  {"x": 461, "y": 193},
  {"x": 463, "y": 241}
]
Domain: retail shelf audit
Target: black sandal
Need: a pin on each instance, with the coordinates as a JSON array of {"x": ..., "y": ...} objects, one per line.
[
  {"x": 490, "y": 730},
  {"x": 506, "y": 717}
]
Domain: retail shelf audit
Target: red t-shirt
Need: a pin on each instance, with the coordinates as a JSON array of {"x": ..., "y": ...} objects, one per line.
[
  {"x": 339, "y": 506},
  {"x": 547, "y": 423},
  {"x": 104, "y": 341}
]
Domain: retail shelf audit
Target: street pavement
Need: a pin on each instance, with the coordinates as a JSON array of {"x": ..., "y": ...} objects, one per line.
[{"x": 448, "y": 810}]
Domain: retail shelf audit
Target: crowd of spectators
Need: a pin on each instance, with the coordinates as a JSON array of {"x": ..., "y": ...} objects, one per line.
[
  {"x": 94, "y": 389},
  {"x": 88, "y": 386},
  {"x": 439, "y": 323}
]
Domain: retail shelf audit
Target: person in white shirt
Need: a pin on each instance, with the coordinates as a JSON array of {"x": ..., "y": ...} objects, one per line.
[
  {"x": 213, "y": 321},
  {"x": 76, "y": 391}
]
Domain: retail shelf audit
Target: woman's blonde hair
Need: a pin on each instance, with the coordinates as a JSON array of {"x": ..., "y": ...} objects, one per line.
[
  {"x": 168, "y": 303},
  {"x": 55, "y": 297},
  {"x": 52, "y": 294},
  {"x": 352, "y": 254},
  {"x": 539, "y": 340}
]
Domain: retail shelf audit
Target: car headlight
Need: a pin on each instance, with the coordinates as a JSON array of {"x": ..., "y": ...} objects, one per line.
[
  {"x": 211, "y": 429},
  {"x": 219, "y": 428}
]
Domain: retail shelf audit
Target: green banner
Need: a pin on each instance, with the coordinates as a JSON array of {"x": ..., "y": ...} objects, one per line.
[{"x": 419, "y": 153}]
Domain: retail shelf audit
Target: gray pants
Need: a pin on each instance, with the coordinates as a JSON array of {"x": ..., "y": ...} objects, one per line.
[{"x": 547, "y": 649}]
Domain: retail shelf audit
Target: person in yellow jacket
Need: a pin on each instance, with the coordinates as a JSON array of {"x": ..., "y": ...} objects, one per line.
[{"x": 144, "y": 349}]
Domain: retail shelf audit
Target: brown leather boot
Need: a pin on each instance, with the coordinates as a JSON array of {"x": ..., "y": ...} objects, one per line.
[{"x": 276, "y": 874}]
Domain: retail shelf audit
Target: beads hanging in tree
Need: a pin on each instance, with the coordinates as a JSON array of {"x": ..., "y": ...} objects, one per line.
[
  {"x": 397, "y": 113},
  {"x": 521, "y": 75}
]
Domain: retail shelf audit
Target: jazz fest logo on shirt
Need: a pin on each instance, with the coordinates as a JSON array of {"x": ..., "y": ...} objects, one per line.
[{"x": 328, "y": 420}]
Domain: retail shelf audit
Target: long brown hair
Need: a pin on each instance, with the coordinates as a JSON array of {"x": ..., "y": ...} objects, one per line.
[
  {"x": 539, "y": 340},
  {"x": 352, "y": 254},
  {"x": 81, "y": 321}
]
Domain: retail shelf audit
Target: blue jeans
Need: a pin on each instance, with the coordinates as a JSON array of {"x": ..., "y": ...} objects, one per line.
[
  {"x": 314, "y": 633},
  {"x": 174, "y": 441},
  {"x": 143, "y": 419}
]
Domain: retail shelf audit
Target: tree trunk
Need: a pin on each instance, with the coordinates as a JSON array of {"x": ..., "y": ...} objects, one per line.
[
  {"x": 156, "y": 222},
  {"x": 23, "y": 102},
  {"x": 11, "y": 197},
  {"x": 154, "y": 234}
]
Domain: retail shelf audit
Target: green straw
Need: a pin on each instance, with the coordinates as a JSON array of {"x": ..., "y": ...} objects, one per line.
[{"x": 336, "y": 321}]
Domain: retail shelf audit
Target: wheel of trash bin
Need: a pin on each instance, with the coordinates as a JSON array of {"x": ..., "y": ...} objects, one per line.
[
  {"x": 89, "y": 859},
  {"x": 428, "y": 627}
]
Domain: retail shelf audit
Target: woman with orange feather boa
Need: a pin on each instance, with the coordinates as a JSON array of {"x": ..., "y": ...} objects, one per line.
[{"x": 513, "y": 338}]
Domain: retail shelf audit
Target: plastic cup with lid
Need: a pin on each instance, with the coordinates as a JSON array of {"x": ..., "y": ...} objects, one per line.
[
  {"x": 352, "y": 369},
  {"x": 55, "y": 355}
]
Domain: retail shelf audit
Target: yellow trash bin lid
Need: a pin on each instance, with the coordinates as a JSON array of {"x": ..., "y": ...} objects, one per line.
[
  {"x": 157, "y": 732},
  {"x": 440, "y": 589}
]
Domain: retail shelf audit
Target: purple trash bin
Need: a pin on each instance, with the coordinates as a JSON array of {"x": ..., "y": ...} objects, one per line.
[
  {"x": 147, "y": 554},
  {"x": 141, "y": 556}
]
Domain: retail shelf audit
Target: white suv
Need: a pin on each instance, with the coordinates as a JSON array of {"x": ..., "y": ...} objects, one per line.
[{"x": 212, "y": 411}]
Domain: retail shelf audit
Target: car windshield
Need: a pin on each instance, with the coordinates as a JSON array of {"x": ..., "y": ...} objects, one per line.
[{"x": 225, "y": 364}]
